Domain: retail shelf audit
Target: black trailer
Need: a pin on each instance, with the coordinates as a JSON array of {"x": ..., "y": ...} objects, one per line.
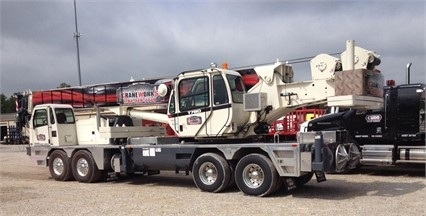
[{"x": 393, "y": 134}]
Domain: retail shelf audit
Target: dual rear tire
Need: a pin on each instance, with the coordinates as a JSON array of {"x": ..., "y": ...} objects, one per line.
[
  {"x": 81, "y": 166},
  {"x": 254, "y": 174},
  {"x": 84, "y": 167}
]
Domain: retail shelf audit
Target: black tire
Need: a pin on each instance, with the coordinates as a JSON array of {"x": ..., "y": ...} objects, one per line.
[
  {"x": 256, "y": 175},
  {"x": 60, "y": 166},
  {"x": 280, "y": 183},
  {"x": 211, "y": 172},
  {"x": 302, "y": 180},
  {"x": 84, "y": 167},
  {"x": 232, "y": 184}
]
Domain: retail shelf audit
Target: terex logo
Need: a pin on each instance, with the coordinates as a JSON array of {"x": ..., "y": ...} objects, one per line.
[
  {"x": 373, "y": 118},
  {"x": 194, "y": 112}
]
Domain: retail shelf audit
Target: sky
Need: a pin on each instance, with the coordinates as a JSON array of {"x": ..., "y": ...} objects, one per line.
[{"x": 121, "y": 39}]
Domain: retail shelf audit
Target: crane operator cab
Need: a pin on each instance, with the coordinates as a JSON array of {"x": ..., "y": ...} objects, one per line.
[{"x": 207, "y": 104}]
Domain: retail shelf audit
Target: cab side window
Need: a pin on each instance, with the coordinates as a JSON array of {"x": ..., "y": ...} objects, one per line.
[
  {"x": 40, "y": 118},
  {"x": 219, "y": 89},
  {"x": 237, "y": 88},
  {"x": 64, "y": 116}
]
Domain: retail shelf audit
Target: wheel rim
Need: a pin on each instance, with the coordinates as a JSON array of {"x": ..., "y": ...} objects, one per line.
[
  {"x": 208, "y": 173},
  {"x": 253, "y": 175},
  {"x": 82, "y": 167},
  {"x": 354, "y": 156},
  {"x": 342, "y": 158},
  {"x": 58, "y": 166},
  {"x": 117, "y": 155}
]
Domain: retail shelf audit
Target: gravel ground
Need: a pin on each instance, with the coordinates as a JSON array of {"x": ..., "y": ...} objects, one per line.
[{"x": 27, "y": 189}]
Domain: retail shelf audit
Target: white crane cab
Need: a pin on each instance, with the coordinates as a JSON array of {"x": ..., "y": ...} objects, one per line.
[{"x": 207, "y": 103}]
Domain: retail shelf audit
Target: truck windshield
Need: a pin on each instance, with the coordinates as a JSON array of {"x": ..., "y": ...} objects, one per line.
[
  {"x": 237, "y": 88},
  {"x": 64, "y": 116}
]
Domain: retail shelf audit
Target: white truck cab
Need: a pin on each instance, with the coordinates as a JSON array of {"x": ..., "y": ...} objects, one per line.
[{"x": 53, "y": 124}]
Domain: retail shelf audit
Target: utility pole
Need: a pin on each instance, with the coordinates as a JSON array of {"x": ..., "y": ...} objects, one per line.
[{"x": 77, "y": 38}]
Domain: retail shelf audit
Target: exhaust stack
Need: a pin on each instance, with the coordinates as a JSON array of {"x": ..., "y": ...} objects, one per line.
[
  {"x": 408, "y": 73},
  {"x": 350, "y": 48}
]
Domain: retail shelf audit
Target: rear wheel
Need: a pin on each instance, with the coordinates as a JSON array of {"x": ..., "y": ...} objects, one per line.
[
  {"x": 211, "y": 172},
  {"x": 256, "y": 175},
  {"x": 84, "y": 167},
  {"x": 60, "y": 166}
]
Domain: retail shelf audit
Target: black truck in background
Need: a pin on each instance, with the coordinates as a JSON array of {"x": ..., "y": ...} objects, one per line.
[{"x": 388, "y": 136}]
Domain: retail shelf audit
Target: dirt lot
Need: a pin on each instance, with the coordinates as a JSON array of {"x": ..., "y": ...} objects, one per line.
[{"x": 27, "y": 189}]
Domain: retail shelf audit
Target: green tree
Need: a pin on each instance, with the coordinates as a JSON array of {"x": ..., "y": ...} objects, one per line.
[
  {"x": 7, "y": 104},
  {"x": 3, "y": 102},
  {"x": 64, "y": 85}
]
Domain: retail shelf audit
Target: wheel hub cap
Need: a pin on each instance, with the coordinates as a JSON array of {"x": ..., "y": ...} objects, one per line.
[
  {"x": 82, "y": 167},
  {"x": 253, "y": 176},
  {"x": 58, "y": 166},
  {"x": 208, "y": 173}
]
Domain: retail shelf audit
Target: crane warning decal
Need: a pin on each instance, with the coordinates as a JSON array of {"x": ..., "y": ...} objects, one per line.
[
  {"x": 41, "y": 137},
  {"x": 373, "y": 118},
  {"x": 150, "y": 152},
  {"x": 194, "y": 120},
  {"x": 139, "y": 94}
]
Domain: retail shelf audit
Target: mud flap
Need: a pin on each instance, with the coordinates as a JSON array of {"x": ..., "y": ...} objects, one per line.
[
  {"x": 289, "y": 183},
  {"x": 320, "y": 176},
  {"x": 323, "y": 156}
]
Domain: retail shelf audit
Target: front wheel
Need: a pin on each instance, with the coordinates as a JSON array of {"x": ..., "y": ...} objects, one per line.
[
  {"x": 84, "y": 167},
  {"x": 60, "y": 166},
  {"x": 256, "y": 175},
  {"x": 211, "y": 172}
]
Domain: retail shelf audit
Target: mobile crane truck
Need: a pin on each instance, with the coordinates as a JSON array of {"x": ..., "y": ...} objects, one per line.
[{"x": 218, "y": 123}]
